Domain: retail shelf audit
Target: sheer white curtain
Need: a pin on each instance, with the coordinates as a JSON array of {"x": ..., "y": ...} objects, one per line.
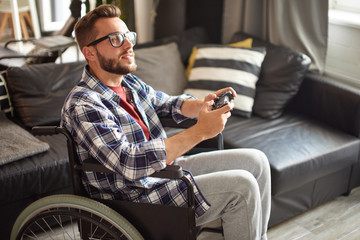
[
  {"x": 145, "y": 12},
  {"x": 301, "y": 25}
]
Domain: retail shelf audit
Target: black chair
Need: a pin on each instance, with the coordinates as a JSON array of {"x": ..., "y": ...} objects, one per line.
[
  {"x": 41, "y": 54},
  {"x": 109, "y": 219}
]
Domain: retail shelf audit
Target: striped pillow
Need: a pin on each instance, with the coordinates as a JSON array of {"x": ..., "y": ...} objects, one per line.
[
  {"x": 5, "y": 103},
  {"x": 219, "y": 66}
]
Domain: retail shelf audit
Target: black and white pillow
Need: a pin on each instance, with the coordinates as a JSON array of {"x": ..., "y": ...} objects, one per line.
[
  {"x": 5, "y": 103},
  {"x": 220, "y": 66}
]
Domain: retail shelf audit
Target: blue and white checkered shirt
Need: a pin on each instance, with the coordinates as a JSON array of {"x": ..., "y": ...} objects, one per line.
[{"x": 105, "y": 131}]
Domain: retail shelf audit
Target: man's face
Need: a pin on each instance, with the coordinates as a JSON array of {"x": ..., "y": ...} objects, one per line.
[
  {"x": 119, "y": 60},
  {"x": 116, "y": 66}
]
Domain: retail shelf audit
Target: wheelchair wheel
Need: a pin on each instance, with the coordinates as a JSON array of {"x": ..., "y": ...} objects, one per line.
[{"x": 71, "y": 217}]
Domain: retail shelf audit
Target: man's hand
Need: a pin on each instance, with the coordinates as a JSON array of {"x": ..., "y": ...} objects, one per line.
[
  {"x": 192, "y": 107},
  {"x": 210, "y": 123}
]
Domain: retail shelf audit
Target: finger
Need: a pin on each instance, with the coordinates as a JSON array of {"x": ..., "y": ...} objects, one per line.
[
  {"x": 227, "y": 114},
  {"x": 208, "y": 105},
  {"x": 233, "y": 91},
  {"x": 210, "y": 97},
  {"x": 231, "y": 104},
  {"x": 228, "y": 107},
  {"x": 224, "y": 90}
]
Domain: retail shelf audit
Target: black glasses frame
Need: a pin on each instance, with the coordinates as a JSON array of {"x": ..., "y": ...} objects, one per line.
[{"x": 124, "y": 35}]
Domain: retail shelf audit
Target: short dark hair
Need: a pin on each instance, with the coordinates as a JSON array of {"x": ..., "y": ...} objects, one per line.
[{"x": 84, "y": 28}]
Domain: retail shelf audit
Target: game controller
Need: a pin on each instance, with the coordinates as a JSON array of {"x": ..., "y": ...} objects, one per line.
[{"x": 223, "y": 99}]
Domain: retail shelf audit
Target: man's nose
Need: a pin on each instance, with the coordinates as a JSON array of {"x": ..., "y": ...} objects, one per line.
[{"x": 127, "y": 44}]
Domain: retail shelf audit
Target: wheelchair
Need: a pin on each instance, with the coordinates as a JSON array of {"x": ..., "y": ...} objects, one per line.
[{"x": 77, "y": 216}]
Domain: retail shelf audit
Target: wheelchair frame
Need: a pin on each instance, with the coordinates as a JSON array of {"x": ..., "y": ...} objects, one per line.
[{"x": 126, "y": 218}]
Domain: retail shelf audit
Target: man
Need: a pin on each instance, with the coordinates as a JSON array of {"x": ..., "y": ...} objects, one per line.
[{"x": 114, "y": 117}]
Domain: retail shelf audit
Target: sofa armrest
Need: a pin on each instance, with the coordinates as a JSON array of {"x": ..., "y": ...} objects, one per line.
[{"x": 330, "y": 102}]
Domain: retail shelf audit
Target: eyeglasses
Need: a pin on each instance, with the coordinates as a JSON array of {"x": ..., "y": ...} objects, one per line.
[{"x": 117, "y": 39}]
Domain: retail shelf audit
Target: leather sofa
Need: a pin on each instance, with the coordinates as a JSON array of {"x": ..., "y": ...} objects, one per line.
[{"x": 312, "y": 142}]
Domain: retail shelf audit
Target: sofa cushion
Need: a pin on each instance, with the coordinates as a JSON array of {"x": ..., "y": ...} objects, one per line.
[
  {"x": 299, "y": 149},
  {"x": 17, "y": 143},
  {"x": 38, "y": 174},
  {"x": 185, "y": 41},
  {"x": 219, "y": 66},
  {"x": 282, "y": 73},
  {"x": 38, "y": 91},
  {"x": 161, "y": 67}
]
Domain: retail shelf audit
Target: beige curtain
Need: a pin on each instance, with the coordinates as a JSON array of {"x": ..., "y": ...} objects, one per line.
[{"x": 301, "y": 25}]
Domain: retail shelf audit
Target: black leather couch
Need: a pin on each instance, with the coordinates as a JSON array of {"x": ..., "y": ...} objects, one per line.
[
  {"x": 37, "y": 94},
  {"x": 313, "y": 148},
  {"x": 312, "y": 143}
]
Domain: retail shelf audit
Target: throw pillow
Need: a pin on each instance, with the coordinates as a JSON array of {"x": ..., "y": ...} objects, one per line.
[
  {"x": 247, "y": 43},
  {"x": 161, "y": 68},
  {"x": 5, "y": 102},
  {"x": 282, "y": 73},
  {"x": 220, "y": 66},
  {"x": 185, "y": 41},
  {"x": 17, "y": 143},
  {"x": 38, "y": 91}
]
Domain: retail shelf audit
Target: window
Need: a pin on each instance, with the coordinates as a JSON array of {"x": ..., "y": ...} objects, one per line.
[
  {"x": 53, "y": 14},
  {"x": 346, "y": 5},
  {"x": 343, "y": 52}
]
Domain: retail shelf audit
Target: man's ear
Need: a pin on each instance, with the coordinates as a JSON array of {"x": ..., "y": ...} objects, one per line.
[{"x": 89, "y": 53}]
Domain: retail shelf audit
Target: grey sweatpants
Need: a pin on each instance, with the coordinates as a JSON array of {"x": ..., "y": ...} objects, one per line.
[{"x": 237, "y": 185}]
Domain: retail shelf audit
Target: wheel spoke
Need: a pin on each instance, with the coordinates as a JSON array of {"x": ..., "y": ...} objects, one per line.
[
  {"x": 63, "y": 217},
  {"x": 43, "y": 230}
]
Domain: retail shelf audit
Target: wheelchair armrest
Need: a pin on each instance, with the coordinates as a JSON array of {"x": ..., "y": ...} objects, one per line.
[
  {"x": 45, "y": 130},
  {"x": 170, "y": 172},
  {"x": 92, "y": 165}
]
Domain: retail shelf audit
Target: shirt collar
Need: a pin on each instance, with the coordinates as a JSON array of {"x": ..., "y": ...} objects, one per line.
[{"x": 95, "y": 84}]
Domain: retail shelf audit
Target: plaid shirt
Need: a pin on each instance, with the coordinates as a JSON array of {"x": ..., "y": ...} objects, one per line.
[{"x": 105, "y": 131}]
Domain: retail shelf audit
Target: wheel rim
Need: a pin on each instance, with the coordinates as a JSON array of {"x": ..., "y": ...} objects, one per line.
[
  {"x": 72, "y": 208},
  {"x": 69, "y": 223}
]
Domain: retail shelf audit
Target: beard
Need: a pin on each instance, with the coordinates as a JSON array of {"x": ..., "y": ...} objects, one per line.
[{"x": 115, "y": 66}]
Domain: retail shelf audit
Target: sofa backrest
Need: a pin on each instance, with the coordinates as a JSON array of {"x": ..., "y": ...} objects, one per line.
[
  {"x": 330, "y": 102},
  {"x": 37, "y": 92}
]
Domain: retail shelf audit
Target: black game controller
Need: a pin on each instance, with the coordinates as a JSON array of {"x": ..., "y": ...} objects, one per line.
[{"x": 223, "y": 99}]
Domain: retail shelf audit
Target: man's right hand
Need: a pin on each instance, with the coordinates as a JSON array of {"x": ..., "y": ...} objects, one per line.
[{"x": 211, "y": 122}]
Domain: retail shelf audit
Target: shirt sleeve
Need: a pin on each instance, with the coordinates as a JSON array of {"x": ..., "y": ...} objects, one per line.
[{"x": 97, "y": 132}]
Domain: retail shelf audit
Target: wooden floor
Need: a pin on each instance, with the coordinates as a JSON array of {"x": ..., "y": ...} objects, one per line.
[{"x": 338, "y": 219}]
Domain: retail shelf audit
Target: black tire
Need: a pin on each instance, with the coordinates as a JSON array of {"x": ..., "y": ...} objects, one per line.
[{"x": 66, "y": 217}]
